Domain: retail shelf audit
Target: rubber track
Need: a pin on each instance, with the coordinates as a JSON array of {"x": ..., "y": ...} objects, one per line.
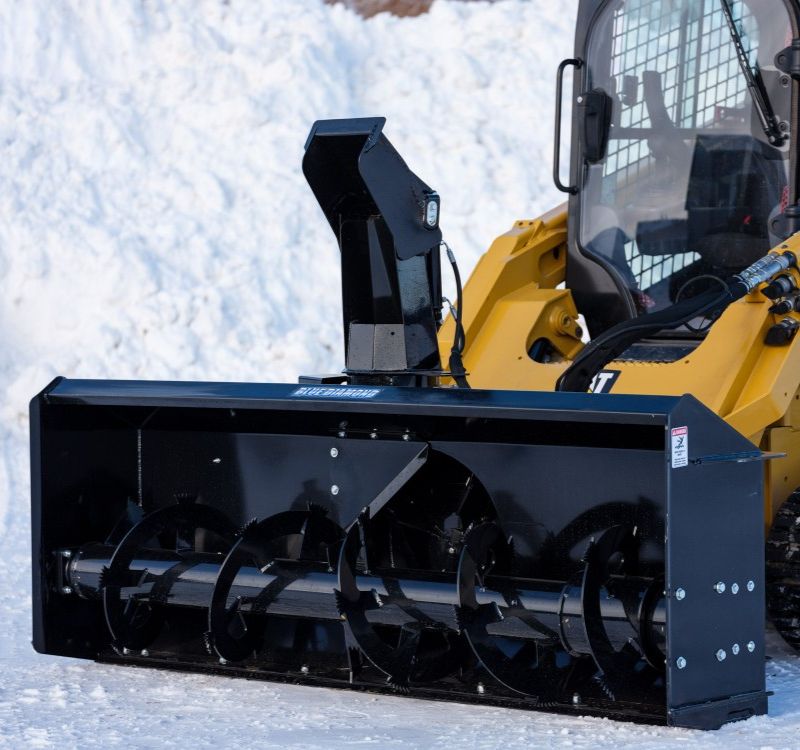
[{"x": 783, "y": 571}]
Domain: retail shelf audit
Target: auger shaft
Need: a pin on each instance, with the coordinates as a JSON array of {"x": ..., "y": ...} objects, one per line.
[{"x": 310, "y": 593}]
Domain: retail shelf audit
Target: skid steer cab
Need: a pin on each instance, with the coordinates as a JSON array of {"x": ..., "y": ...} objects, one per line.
[{"x": 455, "y": 515}]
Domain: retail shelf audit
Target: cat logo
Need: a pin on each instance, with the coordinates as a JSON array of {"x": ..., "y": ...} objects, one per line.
[{"x": 604, "y": 381}]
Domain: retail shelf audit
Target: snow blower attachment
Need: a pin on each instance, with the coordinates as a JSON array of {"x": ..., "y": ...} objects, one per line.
[
  {"x": 529, "y": 550},
  {"x": 561, "y": 551}
]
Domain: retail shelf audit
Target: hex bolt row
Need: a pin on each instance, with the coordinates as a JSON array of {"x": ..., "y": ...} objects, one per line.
[
  {"x": 721, "y": 654},
  {"x": 720, "y": 587}
]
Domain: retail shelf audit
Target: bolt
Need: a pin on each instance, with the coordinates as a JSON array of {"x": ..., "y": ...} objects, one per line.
[
  {"x": 406, "y": 436},
  {"x": 223, "y": 661},
  {"x": 373, "y": 434},
  {"x": 334, "y": 489},
  {"x": 144, "y": 652},
  {"x": 126, "y": 651},
  {"x": 304, "y": 669},
  {"x": 751, "y": 646},
  {"x": 734, "y": 588},
  {"x": 580, "y": 100},
  {"x": 719, "y": 587},
  {"x": 680, "y": 663},
  {"x": 341, "y": 433},
  {"x": 735, "y": 649},
  {"x": 451, "y": 550},
  {"x": 216, "y": 460},
  {"x": 66, "y": 553},
  {"x": 576, "y": 699},
  {"x": 66, "y": 590},
  {"x": 721, "y": 655},
  {"x": 680, "y": 595},
  {"x": 751, "y": 585},
  {"x": 481, "y": 689},
  {"x": 334, "y": 452}
]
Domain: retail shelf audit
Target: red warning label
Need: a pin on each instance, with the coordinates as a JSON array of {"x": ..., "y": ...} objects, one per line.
[{"x": 680, "y": 447}]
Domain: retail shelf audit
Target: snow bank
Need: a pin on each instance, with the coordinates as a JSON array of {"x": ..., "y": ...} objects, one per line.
[{"x": 154, "y": 224}]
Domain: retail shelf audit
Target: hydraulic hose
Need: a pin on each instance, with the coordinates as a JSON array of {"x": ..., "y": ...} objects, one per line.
[{"x": 611, "y": 344}]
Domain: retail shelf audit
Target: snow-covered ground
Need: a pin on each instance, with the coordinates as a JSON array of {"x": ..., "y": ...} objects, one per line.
[{"x": 154, "y": 224}]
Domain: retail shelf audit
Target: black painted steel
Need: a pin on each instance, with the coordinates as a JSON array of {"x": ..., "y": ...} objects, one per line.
[
  {"x": 418, "y": 482},
  {"x": 386, "y": 222}
]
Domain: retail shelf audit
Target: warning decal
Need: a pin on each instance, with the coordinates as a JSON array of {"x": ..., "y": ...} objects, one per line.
[{"x": 680, "y": 447}]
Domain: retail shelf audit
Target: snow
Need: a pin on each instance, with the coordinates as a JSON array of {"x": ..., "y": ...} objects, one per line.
[{"x": 154, "y": 224}]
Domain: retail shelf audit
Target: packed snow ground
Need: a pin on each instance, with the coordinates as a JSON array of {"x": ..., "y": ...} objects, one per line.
[{"x": 154, "y": 224}]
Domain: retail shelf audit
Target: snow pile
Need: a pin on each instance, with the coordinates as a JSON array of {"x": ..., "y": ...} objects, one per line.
[{"x": 154, "y": 224}]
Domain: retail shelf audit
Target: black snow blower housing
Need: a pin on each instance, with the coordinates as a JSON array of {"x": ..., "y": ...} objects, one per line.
[{"x": 520, "y": 549}]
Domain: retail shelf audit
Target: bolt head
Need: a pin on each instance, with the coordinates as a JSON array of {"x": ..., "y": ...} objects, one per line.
[
  {"x": 334, "y": 452},
  {"x": 66, "y": 590},
  {"x": 576, "y": 699},
  {"x": 222, "y": 661},
  {"x": 680, "y": 663},
  {"x": 680, "y": 594},
  {"x": 721, "y": 655},
  {"x": 735, "y": 649},
  {"x": 751, "y": 585},
  {"x": 373, "y": 434},
  {"x": 751, "y": 646},
  {"x": 334, "y": 489},
  {"x": 66, "y": 553},
  {"x": 126, "y": 651},
  {"x": 719, "y": 587},
  {"x": 144, "y": 652},
  {"x": 480, "y": 688},
  {"x": 304, "y": 669},
  {"x": 341, "y": 433},
  {"x": 406, "y": 436},
  {"x": 734, "y": 588}
]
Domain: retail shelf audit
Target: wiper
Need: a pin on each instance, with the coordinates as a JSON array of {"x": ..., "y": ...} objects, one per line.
[{"x": 769, "y": 122}]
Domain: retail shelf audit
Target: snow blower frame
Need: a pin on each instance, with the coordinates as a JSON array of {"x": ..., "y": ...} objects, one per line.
[{"x": 558, "y": 551}]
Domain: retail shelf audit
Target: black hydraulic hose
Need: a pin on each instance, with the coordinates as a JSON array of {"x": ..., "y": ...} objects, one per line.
[
  {"x": 609, "y": 345},
  {"x": 613, "y": 342},
  {"x": 457, "y": 371}
]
